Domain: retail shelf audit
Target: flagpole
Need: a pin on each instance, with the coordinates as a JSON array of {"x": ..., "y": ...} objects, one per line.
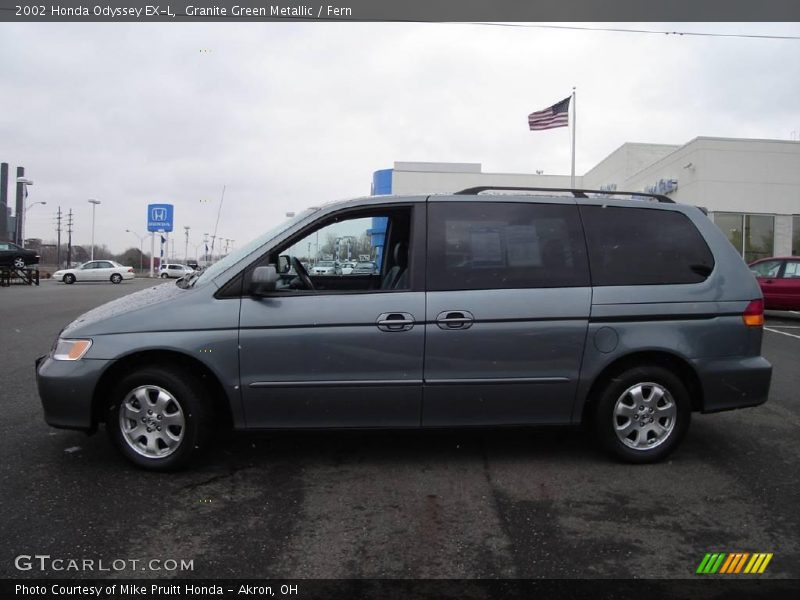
[{"x": 574, "y": 126}]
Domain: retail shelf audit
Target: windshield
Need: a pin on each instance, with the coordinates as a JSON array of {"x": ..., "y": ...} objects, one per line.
[
  {"x": 325, "y": 263},
  {"x": 235, "y": 256}
]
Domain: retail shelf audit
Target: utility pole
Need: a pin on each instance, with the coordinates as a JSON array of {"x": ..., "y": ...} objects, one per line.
[
  {"x": 58, "y": 244},
  {"x": 186, "y": 249},
  {"x": 69, "y": 238}
]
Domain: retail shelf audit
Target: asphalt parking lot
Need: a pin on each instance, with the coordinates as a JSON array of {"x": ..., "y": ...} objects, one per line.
[{"x": 457, "y": 504}]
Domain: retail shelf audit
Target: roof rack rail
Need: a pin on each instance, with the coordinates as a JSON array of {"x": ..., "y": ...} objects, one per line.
[{"x": 473, "y": 191}]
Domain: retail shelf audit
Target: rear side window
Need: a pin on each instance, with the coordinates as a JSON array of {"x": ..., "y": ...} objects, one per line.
[
  {"x": 640, "y": 246},
  {"x": 504, "y": 245},
  {"x": 792, "y": 270}
]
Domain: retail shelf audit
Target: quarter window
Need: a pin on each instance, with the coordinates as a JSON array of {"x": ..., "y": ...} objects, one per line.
[
  {"x": 504, "y": 245},
  {"x": 644, "y": 246}
]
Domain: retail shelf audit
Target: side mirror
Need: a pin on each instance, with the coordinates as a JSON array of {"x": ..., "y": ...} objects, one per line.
[
  {"x": 263, "y": 280},
  {"x": 284, "y": 263}
]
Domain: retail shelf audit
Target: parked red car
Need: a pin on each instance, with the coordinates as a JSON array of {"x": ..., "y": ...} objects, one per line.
[{"x": 779, "y": 278}]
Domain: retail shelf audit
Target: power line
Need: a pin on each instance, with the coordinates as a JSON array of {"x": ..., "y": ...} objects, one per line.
[{"x": 643, "y": 31}]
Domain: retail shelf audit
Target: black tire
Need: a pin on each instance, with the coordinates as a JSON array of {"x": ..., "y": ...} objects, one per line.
[
  {"x": 184, "y": 390},
  {"x": 69, "y": 278},
  {"x": 19, "y": 262},
  {"x": 650, "y": 437},
  {"x": 116, "y": 278},
  {"x": 164, "y": 276}
]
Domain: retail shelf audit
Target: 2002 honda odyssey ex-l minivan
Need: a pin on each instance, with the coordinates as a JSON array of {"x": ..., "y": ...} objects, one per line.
[{"x": 541, "y": 307}]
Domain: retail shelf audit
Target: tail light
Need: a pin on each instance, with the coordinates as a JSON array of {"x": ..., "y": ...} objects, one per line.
[{"x": 753, "y": 315}]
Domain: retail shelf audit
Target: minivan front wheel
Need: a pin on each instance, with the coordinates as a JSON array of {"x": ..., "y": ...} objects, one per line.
[
  {"x": 159, "y": 418},
  {"x": 642, "y": 414}
]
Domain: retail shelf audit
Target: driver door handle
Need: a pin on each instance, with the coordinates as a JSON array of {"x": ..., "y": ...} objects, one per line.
[{"x": 395, "y": 321}]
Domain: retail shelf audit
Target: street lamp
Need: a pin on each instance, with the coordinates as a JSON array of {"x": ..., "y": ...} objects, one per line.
[
  {"x": 94, "y": 204},
  {"x": 141, "y": 245},
  {"x": 21, "y": 218},
  {"x": 30, "y": 206},
  {"x": 186, "y": 250}
]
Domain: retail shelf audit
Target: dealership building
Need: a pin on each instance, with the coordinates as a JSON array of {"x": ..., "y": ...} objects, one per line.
[{"x": 750, "y": 187}]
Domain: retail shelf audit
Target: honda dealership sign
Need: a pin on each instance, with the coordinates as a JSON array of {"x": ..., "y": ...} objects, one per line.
[{"x": 159, "y": 217}]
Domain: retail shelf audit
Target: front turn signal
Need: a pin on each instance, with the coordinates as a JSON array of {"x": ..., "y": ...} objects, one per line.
[{"x": 71, "y": 349}]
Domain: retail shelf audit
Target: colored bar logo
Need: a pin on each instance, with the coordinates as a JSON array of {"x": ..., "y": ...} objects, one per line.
[{"x": 734, "y": 563}]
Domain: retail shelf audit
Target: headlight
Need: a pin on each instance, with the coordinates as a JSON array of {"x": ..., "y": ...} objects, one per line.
[{"x": 71, "y": 349}]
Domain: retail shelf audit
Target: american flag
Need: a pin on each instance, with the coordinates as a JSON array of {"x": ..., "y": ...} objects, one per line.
[{"x": 549, "y": 118}]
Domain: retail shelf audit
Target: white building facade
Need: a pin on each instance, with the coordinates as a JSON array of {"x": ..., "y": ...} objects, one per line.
[{"x": 751, "y": 188}]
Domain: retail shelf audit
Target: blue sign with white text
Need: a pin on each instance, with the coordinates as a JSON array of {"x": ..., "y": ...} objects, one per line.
[{"x": 159, "y": 217}]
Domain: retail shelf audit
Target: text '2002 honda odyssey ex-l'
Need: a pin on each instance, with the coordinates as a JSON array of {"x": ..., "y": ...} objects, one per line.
[{"x": 504, "y": 309}]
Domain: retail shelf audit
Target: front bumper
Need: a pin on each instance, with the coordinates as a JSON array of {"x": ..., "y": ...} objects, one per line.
[
  {"x": 66, "y": 389},
  {"x": 732, "y": 383}
]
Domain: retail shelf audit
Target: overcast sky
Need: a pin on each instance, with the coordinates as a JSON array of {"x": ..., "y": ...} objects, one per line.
[{"x": 291, "y": 115}]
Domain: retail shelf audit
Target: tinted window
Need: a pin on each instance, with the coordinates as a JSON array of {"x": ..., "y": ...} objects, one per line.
[
  {"x": 504, "y": 245},
  {"x": 640, "y": 246}
]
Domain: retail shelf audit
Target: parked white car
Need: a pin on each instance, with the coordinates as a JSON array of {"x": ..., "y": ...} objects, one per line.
[
  {"x": 96, "y": 270},
  {"x": 175, "y": 271},
  {"x": 347, "y": 267}
]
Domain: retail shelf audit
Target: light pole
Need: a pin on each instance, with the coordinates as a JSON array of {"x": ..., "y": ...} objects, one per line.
[
  {"x": 30, "y": 206},
  {"x": 21, "y": 227},
  {"x": 186, "y": 250},
  {"x": 205, "y": 241},
  {"x": 94, "y": 204},
  {"x": 141, "y": 253}
]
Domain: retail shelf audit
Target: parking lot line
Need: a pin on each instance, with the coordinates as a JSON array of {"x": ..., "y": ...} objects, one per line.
[{"x": 782, "y": 332}]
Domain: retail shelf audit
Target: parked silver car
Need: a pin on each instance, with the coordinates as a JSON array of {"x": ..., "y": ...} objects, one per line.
[
  {"x": 488, "y": 310},
  {"x": 326, "y": 267},
  {"x": 174, "y": 271}
]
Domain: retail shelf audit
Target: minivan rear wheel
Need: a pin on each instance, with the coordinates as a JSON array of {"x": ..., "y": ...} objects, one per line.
[
  {"x": 642, "y": 414},
  {"x": 159, "y": 418}
]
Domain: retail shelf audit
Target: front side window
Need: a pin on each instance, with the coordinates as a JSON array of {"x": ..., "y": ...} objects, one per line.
[
  {"x": 314, "y": 261},
  {"x": 767, "y": 268},
  {"x": 504, "y": 245},
  {"x": 644, "y": 246}
]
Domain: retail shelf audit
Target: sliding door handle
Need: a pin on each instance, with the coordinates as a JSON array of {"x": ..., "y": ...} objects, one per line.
[{"x": 455, "y": 319}]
